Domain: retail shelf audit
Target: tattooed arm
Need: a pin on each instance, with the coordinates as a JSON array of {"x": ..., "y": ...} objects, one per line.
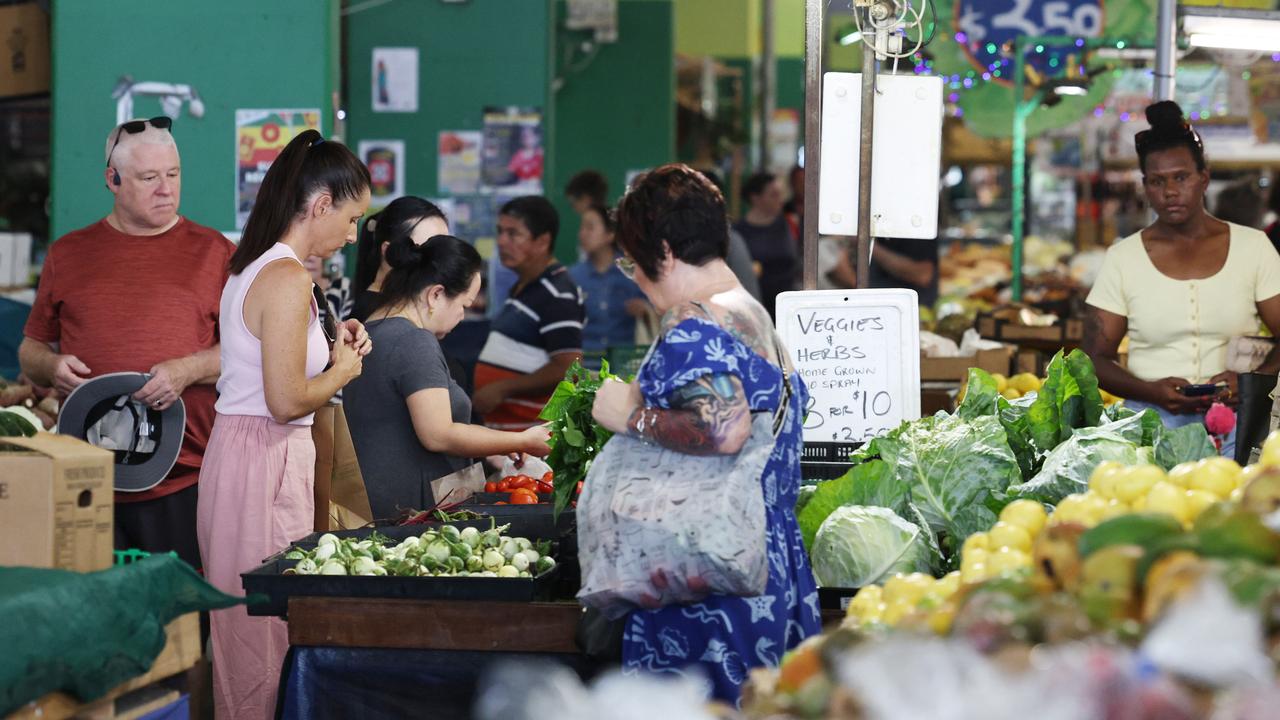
[
  {"x": 1103, "y": 332},
  {"x": 709, "y": 416}
]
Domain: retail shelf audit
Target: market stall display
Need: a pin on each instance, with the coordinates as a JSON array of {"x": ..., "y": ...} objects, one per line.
[{"x": 1176, "y": 570}]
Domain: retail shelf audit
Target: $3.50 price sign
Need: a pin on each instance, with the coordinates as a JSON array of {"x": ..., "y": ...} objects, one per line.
[
  {"x": 858, "y": 352},
  {"x": 982, "y": 26}
]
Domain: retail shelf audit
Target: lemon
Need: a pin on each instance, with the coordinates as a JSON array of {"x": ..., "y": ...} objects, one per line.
[
  {"x": 1271, "y": 450},
  {"x": 867, "y": 599},
  {"x": 1010, "y": 394},
  {"x": 1114, "y": 508},
  {"x": 1007, "y": 535},
  {"x": 1026, "y": 514},
  {"x": 1002, "y": 382},
  {"x": 976, "y": 541},
  {"x": 1198, "y": 501},
  {"x": 940, "y": 620},
  {"x": 1138, "y": 481},
  {"x": 976, "y": 556},
  {"x": 1072, "y": 508},
  {"x": 1007, "y": 560},
  {"x": 1139, "y": 505},
  {"x": 948, "y": 584},
  {"x": 1165, "y": 497},
  {"x": 1236, "y": 495},
  {"x": 1217, "y": 475},
  {"x": 1025, "y": 383},
  {"x": 1248, "y": 473},
  {"x": 895, "y": 611},
  {"x": 973, "y": 573},
  {"x": 906, "y": 589},
  {"x": 1182, "y": 473},
  {"x": 1105, "y": 476}
]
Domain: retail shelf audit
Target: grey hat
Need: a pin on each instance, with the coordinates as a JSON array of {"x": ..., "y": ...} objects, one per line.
[{"x": 146, "y": 441}]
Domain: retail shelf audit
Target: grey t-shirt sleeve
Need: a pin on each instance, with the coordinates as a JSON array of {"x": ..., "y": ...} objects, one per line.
[{"x": 419, "y": 363}]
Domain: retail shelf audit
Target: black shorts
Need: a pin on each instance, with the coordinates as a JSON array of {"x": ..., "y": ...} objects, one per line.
[{"x": 162, "y": 525}]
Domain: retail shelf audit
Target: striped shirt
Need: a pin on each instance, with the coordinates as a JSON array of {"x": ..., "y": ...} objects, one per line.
[{"x": 540, "y": 320}]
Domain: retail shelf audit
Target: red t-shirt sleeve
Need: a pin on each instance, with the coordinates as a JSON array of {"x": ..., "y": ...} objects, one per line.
[{"x": 43, "y": 322}]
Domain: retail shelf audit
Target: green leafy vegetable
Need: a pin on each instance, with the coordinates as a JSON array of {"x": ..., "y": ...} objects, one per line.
[
  {"x": 1066, "y": 470},
  {"x": 980, "y": 395},
  {"x": 575, "y": 436},
  {"x": 859, "y": 545},
  {"x": 950, "y": 463},
  {"x": 869, "y": 483},
  {"x": 1183, "y": 444},
  {"x": 1069, "y": 399}
]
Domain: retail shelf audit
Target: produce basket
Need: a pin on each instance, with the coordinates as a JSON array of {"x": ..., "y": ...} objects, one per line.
[
  {"x": 270, "y": 581},
  {"x": 533, "y": 521},
  {"x": 825, "y": 460}
]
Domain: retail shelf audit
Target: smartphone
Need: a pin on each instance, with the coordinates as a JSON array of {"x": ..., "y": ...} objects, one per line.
[{"x": 1200, "y": 390}]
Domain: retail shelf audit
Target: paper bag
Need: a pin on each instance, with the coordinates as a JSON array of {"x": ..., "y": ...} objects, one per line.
[{"x": 458, "y": 486}]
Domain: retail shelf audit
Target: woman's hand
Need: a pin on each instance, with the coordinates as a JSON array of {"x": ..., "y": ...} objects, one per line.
[
  {"x": 358, "y": 337},
  {"x": 1167, "y": 394},
  {"x": 615, "y": 402},
  {"x": 1230, "y": 396},
  {"x": 348, "y": 362},
  {"x": 534, "y": 441}
]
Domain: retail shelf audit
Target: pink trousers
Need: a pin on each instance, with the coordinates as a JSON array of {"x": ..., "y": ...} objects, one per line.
[{"x": 255, "y": 498}]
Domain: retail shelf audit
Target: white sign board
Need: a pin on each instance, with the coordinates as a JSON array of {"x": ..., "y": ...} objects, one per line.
[
  {"x": 906, "y": 155},
  {"x": 859, "y": 354}
]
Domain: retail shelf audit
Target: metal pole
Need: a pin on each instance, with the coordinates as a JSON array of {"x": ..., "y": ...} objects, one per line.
[
  {"x": 768, "y": 80},
  {"x": 864, "y": 159},
  {"x": 1166, "y": 48},
  {"x": 1018, "y": 201},
  {"x": 813, "y": 47}
]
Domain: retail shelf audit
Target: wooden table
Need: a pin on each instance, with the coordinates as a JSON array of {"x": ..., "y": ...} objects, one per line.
[{"x": 546, "y": 627}]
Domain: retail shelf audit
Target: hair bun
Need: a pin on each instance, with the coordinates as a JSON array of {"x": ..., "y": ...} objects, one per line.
[
  {"x": 402, "y": 252},
  {"x": 1165, "y": 115}
]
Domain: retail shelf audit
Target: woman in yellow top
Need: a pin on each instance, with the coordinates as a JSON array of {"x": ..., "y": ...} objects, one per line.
[{"x": 1181, "y": 288}]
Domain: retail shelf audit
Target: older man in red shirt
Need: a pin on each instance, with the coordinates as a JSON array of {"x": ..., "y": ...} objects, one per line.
[{"x": 139, "y": 291}]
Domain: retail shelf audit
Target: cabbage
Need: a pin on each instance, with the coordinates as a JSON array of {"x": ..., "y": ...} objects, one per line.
[{"x": 859, "y": 545}]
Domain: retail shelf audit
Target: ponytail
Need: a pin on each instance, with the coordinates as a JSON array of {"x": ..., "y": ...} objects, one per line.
[
  {"x": 307, "y": 165},
  {"x": 397, "y": 219},
  {"x": 443, "y": 260}
]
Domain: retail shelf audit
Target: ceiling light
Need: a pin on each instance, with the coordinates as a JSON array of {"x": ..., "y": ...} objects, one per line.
[{"x": 1231, "y": 29}]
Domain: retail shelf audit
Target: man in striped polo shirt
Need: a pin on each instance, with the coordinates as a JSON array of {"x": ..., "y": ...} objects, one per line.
[{"x": 538, "y": 333}]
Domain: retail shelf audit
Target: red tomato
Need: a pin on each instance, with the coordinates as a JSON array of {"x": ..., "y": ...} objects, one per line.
[
  {"x": 548, "y": 476},
  {"x": 544, "y": 488},
  {"x": 579, "y": 487},
  {"x": 491, "y": 487},
  {"x": 501, "y": 502},
  {"x": 521, "y": 481},
  {"x": 504, "y": 485},
  {"x": 523, "y": 496}
]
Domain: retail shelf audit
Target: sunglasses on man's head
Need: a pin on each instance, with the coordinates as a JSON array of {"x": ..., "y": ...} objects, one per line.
[{"x": 133, "y": 127}]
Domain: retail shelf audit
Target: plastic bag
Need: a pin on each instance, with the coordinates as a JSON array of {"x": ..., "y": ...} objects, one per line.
[
  {"x": 530, "y": 465},
  {"x": 1208, "y": 637},
  {"x": 659, "y": 527},
  {"x": 536, "y": 691}
]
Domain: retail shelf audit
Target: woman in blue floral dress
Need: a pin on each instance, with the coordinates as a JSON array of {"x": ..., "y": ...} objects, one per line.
[{"x": 714, "y": 365}]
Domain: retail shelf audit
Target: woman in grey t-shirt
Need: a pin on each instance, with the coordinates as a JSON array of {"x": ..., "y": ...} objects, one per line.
[{"x": 408, "y": 417}]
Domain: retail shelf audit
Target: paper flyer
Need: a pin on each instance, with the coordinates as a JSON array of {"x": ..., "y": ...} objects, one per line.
[
  {"x": 260, "y": 137},
  {"x": 385, "y": 160},
  {"x": 395, "y": 79}
]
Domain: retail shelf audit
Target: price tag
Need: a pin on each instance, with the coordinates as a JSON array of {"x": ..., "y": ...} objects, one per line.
[
  {"x": 985, "y": 26},
  {"x": 858, "y": 352}
]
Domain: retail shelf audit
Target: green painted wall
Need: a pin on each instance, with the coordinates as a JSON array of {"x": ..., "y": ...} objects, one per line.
[
  {"x": 472, "y": 55},
  {"x": 236, "y": 53},
  {"x": 617, "y": 113}
]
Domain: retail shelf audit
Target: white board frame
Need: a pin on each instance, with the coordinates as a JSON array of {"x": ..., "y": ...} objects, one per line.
[
  {"x": 906, "y": 155},
  {"x": 902, "y": 301}
]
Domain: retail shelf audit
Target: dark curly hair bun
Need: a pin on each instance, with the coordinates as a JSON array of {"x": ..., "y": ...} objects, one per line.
[{"x": 1166, "y": 116}]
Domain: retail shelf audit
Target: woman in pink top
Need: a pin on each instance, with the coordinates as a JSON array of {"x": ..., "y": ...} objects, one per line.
[{"x": 256, "y": 482}]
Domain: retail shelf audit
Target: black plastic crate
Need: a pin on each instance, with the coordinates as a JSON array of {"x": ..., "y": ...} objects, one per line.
[
  {"x": 270, "y": 581},
  {"x": 830, "y": 598},
  {"x": 531, "y": 521},
  {"x": 828, "y": 452}
]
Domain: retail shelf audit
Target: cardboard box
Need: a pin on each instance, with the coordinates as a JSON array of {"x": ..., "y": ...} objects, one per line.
[
  {"x": 56, "y": 503},
  {"x": 1069, "y": 332},
  {"x": 24, "y": 50},
  {"x": 957, "y": 368}
]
